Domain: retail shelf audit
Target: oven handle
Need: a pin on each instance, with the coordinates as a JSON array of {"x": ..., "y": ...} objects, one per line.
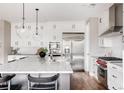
[{"x": 101, "y": 67}]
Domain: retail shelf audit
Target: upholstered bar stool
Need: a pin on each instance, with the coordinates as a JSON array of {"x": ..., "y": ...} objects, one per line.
[
  {"x": 43, "y": 83},
  {"x": 5, "y": 81}
]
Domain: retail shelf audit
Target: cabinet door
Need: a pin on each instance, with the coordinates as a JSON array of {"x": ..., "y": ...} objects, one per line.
[
  {"x": 114, "y": 77},
  {"x": 93, "y": 67},
  {"x": 100, "y": 42},
  {"x": 57, "y": 36},
  {"x": 100, "y": 31},
  {"x": 105, "y": 42},
  {"x": 104, "y": 22}
]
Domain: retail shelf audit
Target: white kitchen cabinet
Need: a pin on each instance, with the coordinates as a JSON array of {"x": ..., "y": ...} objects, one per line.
[
  {"x": 91, "y": 41},
  {"x": 114, "y": 77},
  {"x": 57, "y": 36},
  {"x": 67, "y": 27},
  {"x": 73, "y": 27},
  {"x": 93, "y": 67},
  {"x": 104, "y": 22},
  {"x": 48, "y": 32},
  {"x": 78, "y": 27},
  {"x": 105, "y": 42}
]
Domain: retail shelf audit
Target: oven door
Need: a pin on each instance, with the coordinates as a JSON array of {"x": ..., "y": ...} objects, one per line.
[{"x": 102, "y": 75}]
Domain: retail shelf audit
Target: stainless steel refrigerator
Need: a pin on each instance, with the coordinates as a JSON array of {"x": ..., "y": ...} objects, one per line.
[{"x": 73, "y": 48}]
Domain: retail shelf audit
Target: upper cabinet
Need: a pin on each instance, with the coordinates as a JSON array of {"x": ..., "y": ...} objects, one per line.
[
  {"x": 110, "y": 21},
  {"x": 105, "y": 42},
  {"x": 47, "y": 32},
  {"x": 104, "y": 22},
  {"x": 103, "y": 26},
  {"x": 73, "y": 27}
]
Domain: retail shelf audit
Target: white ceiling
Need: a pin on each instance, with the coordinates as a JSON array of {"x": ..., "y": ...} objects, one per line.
[{"x": 51, "y": 11}]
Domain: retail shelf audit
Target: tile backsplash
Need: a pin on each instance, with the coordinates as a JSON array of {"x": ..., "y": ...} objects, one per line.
[
  {"x": 117, "y": 46},
  {"x": 115, "y": 50}
]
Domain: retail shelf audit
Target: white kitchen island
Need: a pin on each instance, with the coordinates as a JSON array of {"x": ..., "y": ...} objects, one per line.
[{"x": 35, "y": 64}]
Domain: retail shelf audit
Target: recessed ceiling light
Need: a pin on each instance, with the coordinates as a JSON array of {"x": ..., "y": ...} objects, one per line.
[
  {"x": 89, "y": 5},
  {"x": 92, "y": 4}
]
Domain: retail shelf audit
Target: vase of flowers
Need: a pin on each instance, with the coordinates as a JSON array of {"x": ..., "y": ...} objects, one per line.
[{"x": 42, "y": 52}]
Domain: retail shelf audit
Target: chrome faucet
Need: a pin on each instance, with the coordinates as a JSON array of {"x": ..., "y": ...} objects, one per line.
[{"x": 51, "y": 56}]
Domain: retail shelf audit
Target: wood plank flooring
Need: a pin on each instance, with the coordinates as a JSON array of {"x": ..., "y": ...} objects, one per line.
[{"x": 82, "y": 81}]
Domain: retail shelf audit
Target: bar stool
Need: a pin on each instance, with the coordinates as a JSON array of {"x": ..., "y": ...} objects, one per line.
[
  {"x": 43, "y": 83},
  {"x": 5, "y": 82}
]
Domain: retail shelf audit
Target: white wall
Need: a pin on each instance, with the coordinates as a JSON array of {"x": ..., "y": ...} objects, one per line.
[
  {"x": 48, "y": 31},
  {"x": 5, "y": 40},
  {"x": 117, "y": 46},
  {"x": 115, "y": 50}
]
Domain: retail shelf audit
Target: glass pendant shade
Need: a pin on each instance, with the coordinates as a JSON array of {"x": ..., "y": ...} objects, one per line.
[{"x": 22, "y": 30}]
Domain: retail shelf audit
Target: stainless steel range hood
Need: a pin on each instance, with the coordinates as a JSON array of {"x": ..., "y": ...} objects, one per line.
[{"x": 115, "y": 20}]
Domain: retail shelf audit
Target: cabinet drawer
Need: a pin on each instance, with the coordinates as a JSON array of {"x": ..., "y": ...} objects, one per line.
[
  {"x": 115, "y": 74},
  {"x": 114, "y": 77},
  {"x": 112, "y": 85},
  {"x": 117, "y": 80},
  {"x": 114, "y": 67}
]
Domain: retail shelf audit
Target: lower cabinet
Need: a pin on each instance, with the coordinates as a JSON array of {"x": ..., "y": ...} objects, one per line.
[
  {"x": 114, "y": 77},
  {"x": 93, "y": 67}
]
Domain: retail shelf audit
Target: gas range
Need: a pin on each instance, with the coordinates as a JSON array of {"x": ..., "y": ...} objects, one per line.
[
  {"x": 110, "y": 58},
  {"x": 102, "y": 67},
  {"x": 102, "y": 61}
]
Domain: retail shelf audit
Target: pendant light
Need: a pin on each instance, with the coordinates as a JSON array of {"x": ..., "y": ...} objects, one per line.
[
  {"x": 36, "y": 21},
  {"x": 23, "y": 19}
]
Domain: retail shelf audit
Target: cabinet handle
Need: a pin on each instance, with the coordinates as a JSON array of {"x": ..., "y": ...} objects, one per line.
[
  {"x": 114, "y": 76},
  {"x": 102, "y": 42},
  {"x": 114, "y": 67},
  {"x": 100, "y": 20},
  {"x": 114, "y": 88}
]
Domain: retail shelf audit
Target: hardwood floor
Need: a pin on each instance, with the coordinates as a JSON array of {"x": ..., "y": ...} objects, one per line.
[{"x": 82, "y": 81}]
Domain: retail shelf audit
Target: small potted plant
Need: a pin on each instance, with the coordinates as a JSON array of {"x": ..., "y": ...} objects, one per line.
[{"x": 42, "y": 52}]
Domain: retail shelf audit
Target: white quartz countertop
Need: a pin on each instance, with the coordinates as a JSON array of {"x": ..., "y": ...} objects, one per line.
[
  {"x": 118, "y": 64},
  {"x": 15, "y": 57},
  {"x": 34, "y": 64}
]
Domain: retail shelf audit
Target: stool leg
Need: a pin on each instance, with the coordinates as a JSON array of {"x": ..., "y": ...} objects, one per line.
[
  {"x": 56, "y": 85},
  {"x": 9, "y": 83},
  {"x": 28, "y": 85}
]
